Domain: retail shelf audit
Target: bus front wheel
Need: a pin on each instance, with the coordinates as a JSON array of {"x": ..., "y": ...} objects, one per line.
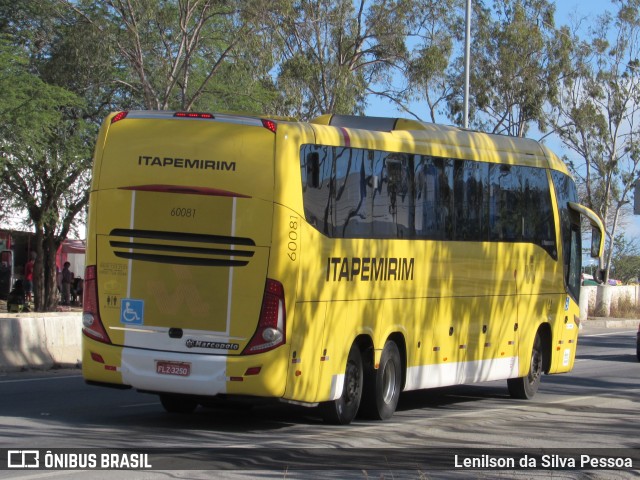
[
  {"x": 382, "y": 385},
  {"x": 174, "y": 403},
  {"x": 343, "y": 410},
  {"x": 526, "y": 387}
]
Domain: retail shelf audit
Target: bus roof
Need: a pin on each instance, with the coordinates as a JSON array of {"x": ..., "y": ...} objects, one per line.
[
  {"x": 462, "y": 142},
  {"x": 401, "y": 134}
]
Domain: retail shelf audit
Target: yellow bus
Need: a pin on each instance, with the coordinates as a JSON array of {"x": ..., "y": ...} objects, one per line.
[{"x": 333, "y": 263}]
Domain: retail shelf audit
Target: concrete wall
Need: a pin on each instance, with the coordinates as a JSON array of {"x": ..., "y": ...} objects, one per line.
[
  {"x": 597, "y": 301},
  {"x": 40, "y": 340}
]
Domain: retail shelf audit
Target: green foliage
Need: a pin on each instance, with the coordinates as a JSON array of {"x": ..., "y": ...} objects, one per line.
[
  {"x": 625, "y": 262},
  {"x": 441, "y": 25},
  {"x": 518, "y": 57},
  {"x": 30, "y": 108},
  {"x": 315, "y": 73},
  {"x": 47, "y": 138},
  {"x": 335, "y": 51},
  {"x": 82, "y": 62},
  {"x": 36, "y": 116},
  {"x": 627, "y": 268},
  {"x": 179, "y": 55}
]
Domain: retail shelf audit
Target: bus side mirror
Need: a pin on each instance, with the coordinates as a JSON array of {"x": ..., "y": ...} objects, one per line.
[
  {"x": 596, "y": 240},
  {"x": 598, "y": 275}
]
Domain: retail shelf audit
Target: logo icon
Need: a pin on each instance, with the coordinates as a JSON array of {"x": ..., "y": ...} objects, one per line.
[
  {"x": 23, "y": 459},
  {"x": 131, "y": 311}
]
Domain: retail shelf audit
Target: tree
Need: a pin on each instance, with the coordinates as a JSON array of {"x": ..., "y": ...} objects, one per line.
[
  {"x": 338, "y": 52},
  {"x": 596, "y": 116},
  {"x": 517, "y": 59},
  {"x": 172, "y": 54},
  {"x": 431, "y": 58},
  {"x": 45, "y": 161},
  {"x": 625, "y": 261},
  {"x": 56, "y": 84}
]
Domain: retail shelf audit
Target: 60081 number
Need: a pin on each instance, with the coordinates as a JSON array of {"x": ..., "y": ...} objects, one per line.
[{"x": 183, "y": 212}]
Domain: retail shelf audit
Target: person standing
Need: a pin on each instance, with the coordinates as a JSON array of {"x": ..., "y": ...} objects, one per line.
[
  {"x": 67, "y": 281},
  {"x": 28, "y": 278}
]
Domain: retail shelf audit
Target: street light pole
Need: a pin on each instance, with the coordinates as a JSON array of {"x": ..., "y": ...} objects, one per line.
[{"x": 467, "y": 55}]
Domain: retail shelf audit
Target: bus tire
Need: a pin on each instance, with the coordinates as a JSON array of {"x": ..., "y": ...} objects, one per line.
[
  {"x": 382, "y": 386},
  {"x": 343, "y": 410},
  {"x": 526, "y": 387},
  {"x": 173, "y": 403}
]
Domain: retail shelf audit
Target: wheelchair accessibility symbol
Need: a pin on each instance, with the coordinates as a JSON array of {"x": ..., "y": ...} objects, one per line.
[{"x": 131, "y": 311}]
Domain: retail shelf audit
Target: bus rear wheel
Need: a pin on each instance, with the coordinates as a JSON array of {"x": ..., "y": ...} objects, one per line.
[
  {"x": 526, "y": 387},
  {"x": 343, "y": 410},
  {"x": 382, "y": 386},
  {"x": 174, "y": 403}
]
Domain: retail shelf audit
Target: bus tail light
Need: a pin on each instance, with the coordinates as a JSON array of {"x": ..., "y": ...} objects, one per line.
[
  {"x": 118, "y": 116},
  {"x": 200, "y": 115},
  {"x": 270, "y": 125},
  {"x": 91, "y": 323},
  {"x": 271, "y": 325}
]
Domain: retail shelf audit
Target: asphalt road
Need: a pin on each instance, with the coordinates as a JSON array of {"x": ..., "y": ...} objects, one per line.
[{"x": 593, "y": 407}]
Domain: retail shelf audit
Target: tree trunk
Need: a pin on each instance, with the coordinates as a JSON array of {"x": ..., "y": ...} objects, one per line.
[
  {"x": 38, "y": 274},
  {"x": 45, "y": 288},
  {"x": 50, "y": 272}
]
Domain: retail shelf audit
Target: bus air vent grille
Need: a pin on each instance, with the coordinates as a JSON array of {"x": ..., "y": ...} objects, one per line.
[{"x": 181, "y": 248}]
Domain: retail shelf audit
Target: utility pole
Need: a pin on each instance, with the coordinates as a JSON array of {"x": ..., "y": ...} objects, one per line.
[{"x": 467, "y": 61}]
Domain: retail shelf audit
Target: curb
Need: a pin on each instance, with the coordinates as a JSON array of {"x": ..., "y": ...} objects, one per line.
[{"x": 601, "y": 322}]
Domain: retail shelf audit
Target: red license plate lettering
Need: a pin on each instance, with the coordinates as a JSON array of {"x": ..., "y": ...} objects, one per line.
[{"x": 181, "y": 369}]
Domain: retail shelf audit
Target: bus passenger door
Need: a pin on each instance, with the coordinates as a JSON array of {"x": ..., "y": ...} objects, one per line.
[{"x": 565, "y": 330}]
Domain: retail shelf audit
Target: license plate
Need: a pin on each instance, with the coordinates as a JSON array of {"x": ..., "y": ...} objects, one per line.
[{"x": 182, "y": 369}]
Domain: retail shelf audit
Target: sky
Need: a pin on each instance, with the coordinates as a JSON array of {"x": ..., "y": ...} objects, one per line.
[{"x": 566, "y": 10}]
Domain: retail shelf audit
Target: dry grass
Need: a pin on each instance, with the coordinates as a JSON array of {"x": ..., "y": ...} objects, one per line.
[{"x": 625, "y": 308}]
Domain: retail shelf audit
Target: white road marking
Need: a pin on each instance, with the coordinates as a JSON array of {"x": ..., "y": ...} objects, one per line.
[
  {"x": 607, "y": 334},
  {"x": 39, "y": 378}
]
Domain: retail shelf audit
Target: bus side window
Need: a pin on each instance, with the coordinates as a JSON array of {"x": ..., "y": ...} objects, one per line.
[
  {"x": 354, "y": 194},
  {"x": 389, "y": 213},
  {"x": 316, "y": 169},
  {"x": 574, "y": 261},
  {"x": 313, "y": 170},
  {"x": 471, "y": 195},
  {"x": 537, "y": 211},
  {"x": 505, "y": 212},
  {"x": 570, "y": 233}
]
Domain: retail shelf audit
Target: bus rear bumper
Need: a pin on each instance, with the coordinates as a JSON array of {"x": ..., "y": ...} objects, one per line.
[
  {"x": 190, "y": 374},
  {"x": 173, "y": 373}
]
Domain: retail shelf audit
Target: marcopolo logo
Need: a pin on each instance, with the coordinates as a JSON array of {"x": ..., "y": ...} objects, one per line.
[{"x": 192, "y": 343}]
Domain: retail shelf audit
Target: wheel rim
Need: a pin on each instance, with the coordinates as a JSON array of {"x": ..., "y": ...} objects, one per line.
[
  {"x": 536, "y": 366},
  {"x": 352, "y": 383},
  {"x": 389, "y": 382}
]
